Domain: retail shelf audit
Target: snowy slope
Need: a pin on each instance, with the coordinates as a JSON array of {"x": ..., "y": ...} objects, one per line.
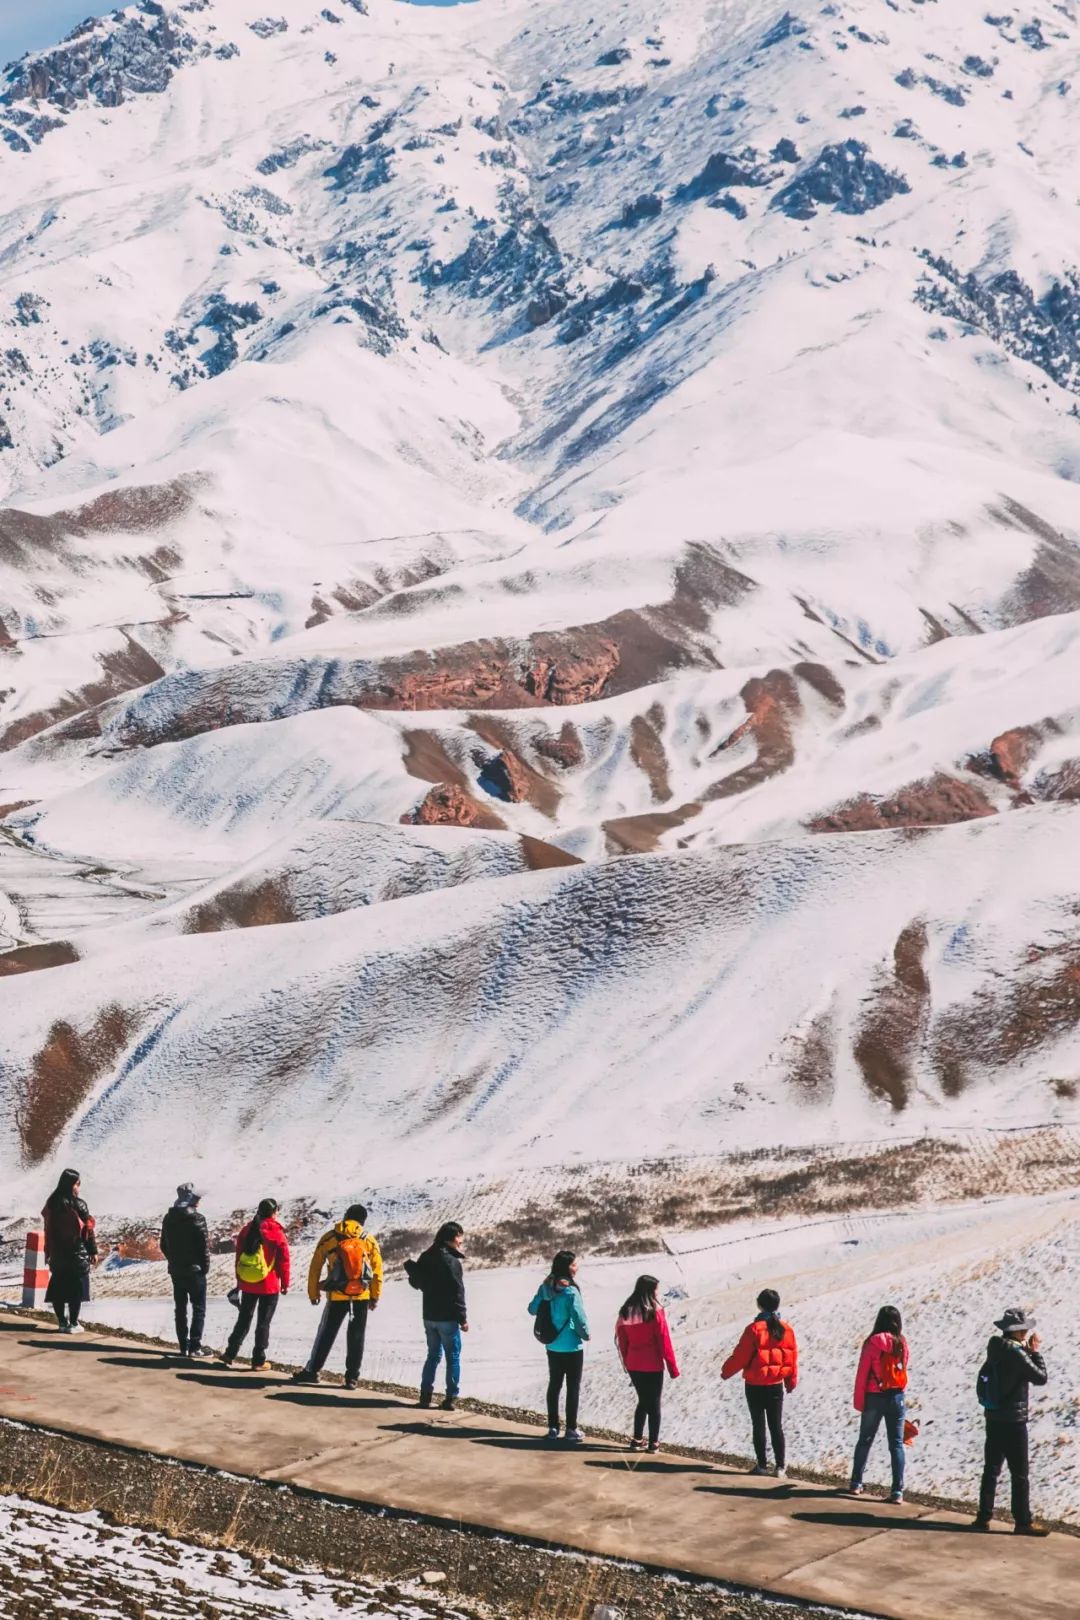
[{"x": 440, "y": 444}]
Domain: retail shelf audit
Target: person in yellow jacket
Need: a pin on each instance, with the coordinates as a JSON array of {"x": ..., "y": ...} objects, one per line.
[{"x": 353, "y": 1283}]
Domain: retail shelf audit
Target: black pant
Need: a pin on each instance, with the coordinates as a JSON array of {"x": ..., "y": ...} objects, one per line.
[
  {"x": 766, "y": 1403},
  {"x": 650, "y": 1387},
  {"x": 265, "y": 1305},
  {"x": 568, "y": 1365},
  {"x": 1006, "y": 1443},
  {"x": 190, "y": 1290},
  {"x": 334, "y": 1313}
]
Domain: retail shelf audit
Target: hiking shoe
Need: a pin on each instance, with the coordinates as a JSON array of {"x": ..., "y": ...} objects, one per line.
[
  {"x": 759, "y": 1468},
  {"x": 260, "y": 1366},
  {"x": 449, "y": 1405},
  {"x": 1032, "y": 1529},
  {"x": 553, "y": 1434},
  {"x": 574, "y": 1437},
  {"x": 352, "y": 1383},
  {"x": 980, "y": 1524},
  {"x": 896, "y": 1498},
  {"x": 305, "y": 1377},
  {"x": 425, "y": 1398},
  {"x": 200, "y": 1353}
]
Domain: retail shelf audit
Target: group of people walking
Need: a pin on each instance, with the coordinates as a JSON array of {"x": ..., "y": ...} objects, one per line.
[{"x": 345, "y": 1276}]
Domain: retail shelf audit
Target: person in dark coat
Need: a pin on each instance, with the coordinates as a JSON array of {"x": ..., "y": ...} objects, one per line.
[
  {"x": 185, "y": 1243},
  {"x": 1013, "y": 1363},
  {"x": 70, "y": 1251},
  {"x": 439, "y": 1277}
]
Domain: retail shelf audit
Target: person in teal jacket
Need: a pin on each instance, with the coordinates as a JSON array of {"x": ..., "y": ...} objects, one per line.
[{"x": 565, "y": 1353}]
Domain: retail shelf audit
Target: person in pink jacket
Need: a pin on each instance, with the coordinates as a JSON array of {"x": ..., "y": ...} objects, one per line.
[
  {"x": 645, "y": 1346},
  {"x": 880, "y": 1383}
]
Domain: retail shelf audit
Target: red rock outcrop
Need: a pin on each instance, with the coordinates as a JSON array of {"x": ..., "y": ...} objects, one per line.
[
  {"x": 508, "y": 777},
  {"x": 449, "y": 806},
  {"x": 1012, "y": 752},
  {"x": 939, "y": 801},
  {"x": 565, "y": 750},
  {"x": 772, "y": 705}
]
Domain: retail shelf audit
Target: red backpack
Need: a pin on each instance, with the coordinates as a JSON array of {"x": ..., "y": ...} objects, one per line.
[{"x": 891, "y": 1373}]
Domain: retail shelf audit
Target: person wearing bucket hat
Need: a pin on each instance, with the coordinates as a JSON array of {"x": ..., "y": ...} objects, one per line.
[
  {"x": 185, "y": 1243},
  {"x": 1013, "y": 1363}
]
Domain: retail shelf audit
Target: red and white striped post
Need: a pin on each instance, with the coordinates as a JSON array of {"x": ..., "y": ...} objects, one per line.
[{"x": 35, "y": 1271}]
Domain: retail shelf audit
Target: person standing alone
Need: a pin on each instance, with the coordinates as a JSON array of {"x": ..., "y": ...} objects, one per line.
[
  {"x": 185, "y": 1243},
  {"x": 353, "y": 1286},
  {"x": 1013, "y": 1363},
  {"x": 439, "y": 1277}
]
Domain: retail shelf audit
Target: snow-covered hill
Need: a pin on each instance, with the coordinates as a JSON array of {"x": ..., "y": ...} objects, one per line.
[{"x": 680, "y": 406}]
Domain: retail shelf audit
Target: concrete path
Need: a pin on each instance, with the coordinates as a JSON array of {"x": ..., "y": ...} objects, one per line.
[{"x": 669, "y": 1512}]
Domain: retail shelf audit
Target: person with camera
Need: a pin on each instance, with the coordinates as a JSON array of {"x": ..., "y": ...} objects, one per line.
[{"x": 1013, "y": 1364}]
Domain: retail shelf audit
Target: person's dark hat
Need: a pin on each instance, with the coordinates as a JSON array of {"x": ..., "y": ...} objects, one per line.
[{"x": 1015, "y": 1321}]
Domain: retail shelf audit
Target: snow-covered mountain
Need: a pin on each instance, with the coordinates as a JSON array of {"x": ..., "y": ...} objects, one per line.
[{"x": 680, "y": 406}]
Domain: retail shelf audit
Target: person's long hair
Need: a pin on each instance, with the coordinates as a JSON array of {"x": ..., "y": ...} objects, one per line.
[
  {"x": 768, "y": 1303},
  {"x": 254, "y": 1237},
  {"x": 560, "y": 1268},
  {"x": 642, "y": 1305},
  {"x": 62, "y": 1192},
  {"x": 889, "y": 1321}
]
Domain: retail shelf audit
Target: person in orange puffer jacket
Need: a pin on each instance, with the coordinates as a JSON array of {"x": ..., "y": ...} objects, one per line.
[
  {"x": 645, "y": 1347},
  {"x": 768, "y": 1358}
]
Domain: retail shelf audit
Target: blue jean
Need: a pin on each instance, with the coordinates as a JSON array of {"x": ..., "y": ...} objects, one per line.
[
  {"x": 442, "y": 1336},
  {"x": 889, "y": 1407}
]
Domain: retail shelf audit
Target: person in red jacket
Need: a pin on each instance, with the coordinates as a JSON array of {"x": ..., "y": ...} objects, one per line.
[
  {"x": 641, "y": 1333},
  {"x": 262, "y": 1276},
  {"x": 768, "y": 1358}
]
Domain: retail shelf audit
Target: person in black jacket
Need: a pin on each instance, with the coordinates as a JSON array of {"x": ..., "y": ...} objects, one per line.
[
  {"x": 70, "y": 1251},
  {"x": 1012, "y": 1364},
  {"x": 438, "y": 1275},
  {"x": 185, "y": 1243}
]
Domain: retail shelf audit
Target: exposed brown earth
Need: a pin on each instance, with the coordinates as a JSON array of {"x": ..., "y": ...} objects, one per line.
[
  {"x": 521, "y": 782},
  {"x": 1006, "y": 1021},
  {"x": 640, "y": 835},
  {"x": 123, "y": 670},
  {"x": 887, "y": 1045},
  {"x": 647, "y": 752},
  {"x": 566, "y": 750},
  {"x": 63, "y": 1073},
  {"x": 939, "y": 801},
  {"x": 1051, "y": 584},
  {"x": 257, "y": 905},
  {"x": 772, "y": 706},
  {"x": 32, "y": 958},
  {"x": 138, "y": 510},
  {"x": 541, "y": 856}
]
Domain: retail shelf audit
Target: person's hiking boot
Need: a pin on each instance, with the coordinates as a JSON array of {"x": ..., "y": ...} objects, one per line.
[
  {"x": 305, "y": 1377},
  {"x": 1032, "y": 1529},
  {"x": 896, "y": 1498},
  {"x": 449, "y": 1405},
  {"x": 574, "y": 1437},
  {"x": 260, "y": 1366},
  {"x": 425, "y": 1399},
  {"x": 980, "y": 1524},
  {"x": 352, "y": 1383}
]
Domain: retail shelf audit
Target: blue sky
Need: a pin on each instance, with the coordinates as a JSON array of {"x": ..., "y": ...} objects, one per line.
[{"x": 26, "y": 25}]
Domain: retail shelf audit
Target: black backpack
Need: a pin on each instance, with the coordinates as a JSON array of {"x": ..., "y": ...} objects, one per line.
[
  {"x": 988, "y": 1386},
  {"x": 544, "y": 1327}
]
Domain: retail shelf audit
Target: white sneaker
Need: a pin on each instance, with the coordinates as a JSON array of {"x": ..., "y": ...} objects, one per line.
[
  {"x": 780, "y": 1473},
  {"x": 76, "y": 1327}
]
